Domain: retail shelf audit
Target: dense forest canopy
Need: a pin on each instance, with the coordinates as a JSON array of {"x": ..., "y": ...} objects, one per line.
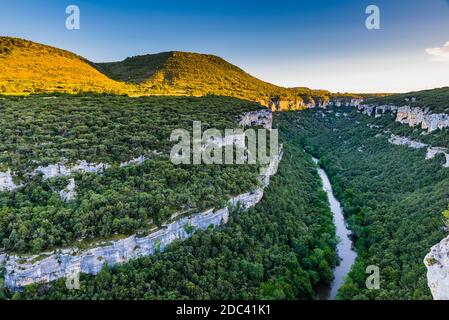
[{"x": 37, "y": 131}]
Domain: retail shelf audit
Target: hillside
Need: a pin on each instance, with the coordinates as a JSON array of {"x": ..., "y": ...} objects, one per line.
[
  {"x": 437, "y": 100},
  {"x": 27, "y": 67},
  {"x": 193, "y": 74}
]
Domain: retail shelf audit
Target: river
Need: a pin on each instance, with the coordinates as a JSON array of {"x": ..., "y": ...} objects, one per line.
[{"x": 344, "y": 248}]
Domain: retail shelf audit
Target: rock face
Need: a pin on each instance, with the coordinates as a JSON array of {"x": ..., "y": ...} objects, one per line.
[
  {"x": 69, "y": 192},
  {"x": 279, "y": 104},
  {"x": 25, "y": 270},
  {"x": 6, "y": 181},
  {"x": 404, "y": 141},
  {"x": 432, "y": 152},
  {"x": 437, "y": 263},
  {"x": 407, "y": 115},
  {"x": 63, "y": 170},
  {"x": 262, "y": 118}
]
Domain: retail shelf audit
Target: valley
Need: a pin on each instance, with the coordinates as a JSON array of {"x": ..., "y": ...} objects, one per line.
[
  {"x": 392, "y": 197},
  {"x": 88, "y": 186}
]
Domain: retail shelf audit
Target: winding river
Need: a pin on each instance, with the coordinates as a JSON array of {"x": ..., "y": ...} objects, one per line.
[{"x": 344, "y": 248}]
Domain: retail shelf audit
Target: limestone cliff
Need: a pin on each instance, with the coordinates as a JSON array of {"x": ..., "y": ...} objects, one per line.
[
  {"x": 407, "y": 115},
  {"x": 437, "y": 263}
]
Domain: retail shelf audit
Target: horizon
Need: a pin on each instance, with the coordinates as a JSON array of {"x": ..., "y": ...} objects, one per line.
[{"x": 340, "y": 55}]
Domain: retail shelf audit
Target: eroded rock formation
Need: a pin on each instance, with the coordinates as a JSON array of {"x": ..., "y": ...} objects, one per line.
[
  {"x": 262, "y": 118},
  {"x": 437, "y": 263},
  {"x": 407, "y": 115},
  {"x": 432, "y": 152}
]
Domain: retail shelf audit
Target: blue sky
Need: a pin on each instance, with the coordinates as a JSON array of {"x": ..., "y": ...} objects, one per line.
[{"x": 314, "y": 43}]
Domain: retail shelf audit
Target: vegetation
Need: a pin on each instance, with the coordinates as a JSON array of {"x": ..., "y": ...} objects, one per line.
[
  {"x": 437, "y": 100},
  {"x": 35, "y": 131},
  {"x": 27, "y": 67},
  {"x": 392, "y": 198},
  {"x": 281, "y": 249}
]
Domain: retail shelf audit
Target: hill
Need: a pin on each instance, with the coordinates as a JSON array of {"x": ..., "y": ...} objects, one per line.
[{"x": 27, "y": 67}]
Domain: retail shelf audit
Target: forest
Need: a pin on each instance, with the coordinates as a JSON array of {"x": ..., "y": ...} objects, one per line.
[
  {"x": 281, "y": 249},
  {"x": 392, "y": 197},
  {"x": 37, "y": 131}
]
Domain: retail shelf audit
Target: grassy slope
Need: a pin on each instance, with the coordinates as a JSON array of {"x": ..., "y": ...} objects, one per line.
[{"x": 28, "y": 67}]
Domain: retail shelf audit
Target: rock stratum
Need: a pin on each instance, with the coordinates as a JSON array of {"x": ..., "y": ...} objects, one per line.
[{"x": 407, "y": 115}]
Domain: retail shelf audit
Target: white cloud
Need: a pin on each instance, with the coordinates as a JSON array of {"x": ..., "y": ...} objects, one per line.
[{"x": 440, "y": 54}]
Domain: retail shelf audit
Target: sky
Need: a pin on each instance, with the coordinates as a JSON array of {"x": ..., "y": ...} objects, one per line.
[{"x": 321, "y": 44}]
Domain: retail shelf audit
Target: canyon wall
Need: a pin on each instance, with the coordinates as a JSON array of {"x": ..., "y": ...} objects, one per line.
[
  {"x": 432, "y": 152},
  {"x": 437, "y": 263},
  {"x": 283, "y": 104},
  {"x": 407, "y": 115}
]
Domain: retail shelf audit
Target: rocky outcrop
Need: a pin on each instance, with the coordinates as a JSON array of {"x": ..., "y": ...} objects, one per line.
[
  {"x": 437, "y": 263},
  {"x": 63, "y": 169},
  {"x": 432, "y": 152},
  {"x": 6, "y": 181},
  {"x": 404, "y": 141},
  {"x": 262, "y": 118},
  {"x": 407, "y": 115},
  {"x": 25, "y": 270},
  {"x": 280, "y": 104},
  {"x": 347, "y": 102},
  {"x": 68, "y": 193}
]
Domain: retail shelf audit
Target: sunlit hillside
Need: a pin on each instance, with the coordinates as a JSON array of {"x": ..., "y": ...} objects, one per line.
[{"x": 27, "y": 67}]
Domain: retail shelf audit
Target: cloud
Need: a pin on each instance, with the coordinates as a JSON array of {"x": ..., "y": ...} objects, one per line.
[{"x": 439, "y": 54}]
